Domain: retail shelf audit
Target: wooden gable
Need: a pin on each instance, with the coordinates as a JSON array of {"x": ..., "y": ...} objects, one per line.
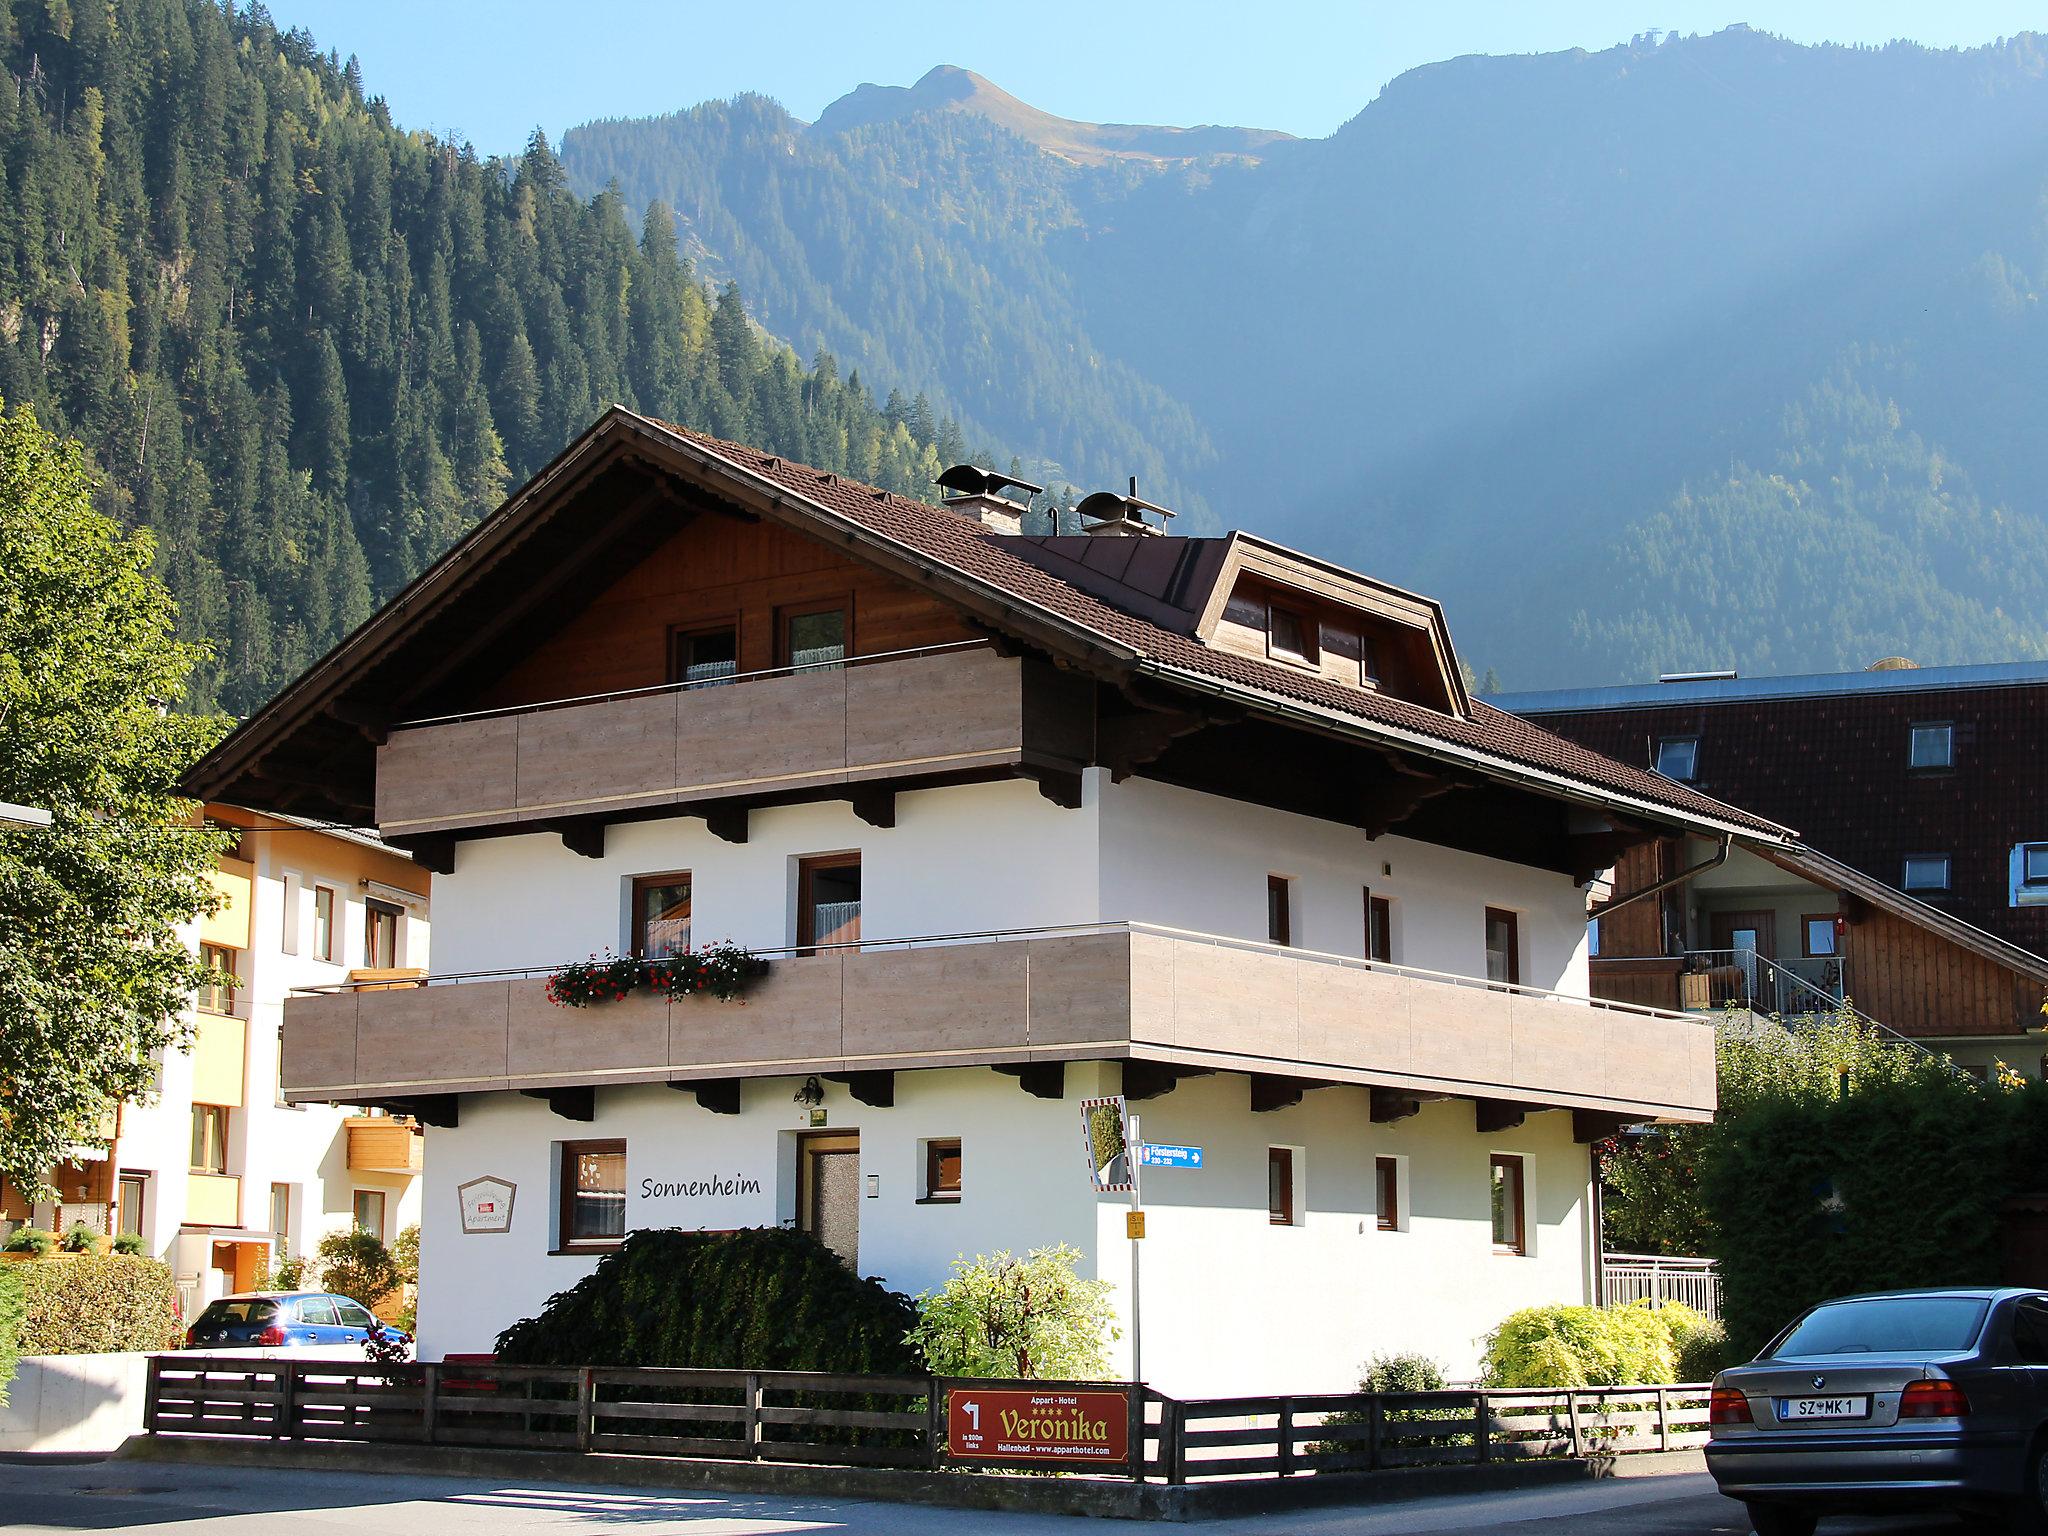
[{"x": 719, "y": 570}]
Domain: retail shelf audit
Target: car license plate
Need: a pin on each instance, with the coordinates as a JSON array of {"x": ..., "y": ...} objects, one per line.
[{"x": 1793, "y": 1410}]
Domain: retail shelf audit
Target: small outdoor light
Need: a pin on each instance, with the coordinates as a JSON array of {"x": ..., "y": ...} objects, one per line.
[{"x": 812, "y": 1094}]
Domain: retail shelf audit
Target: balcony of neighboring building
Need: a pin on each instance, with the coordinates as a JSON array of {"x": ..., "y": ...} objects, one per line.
[
  {"x": 387, "y": 1144},
  {"x": 722, "y": 741},
  {"x": 1165, "y": 1000}
]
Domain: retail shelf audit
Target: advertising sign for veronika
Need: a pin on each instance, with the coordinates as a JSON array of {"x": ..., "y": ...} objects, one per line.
[
  {"x": 1044, "y": 1424},
  {"x": 487, "y": 1204}
]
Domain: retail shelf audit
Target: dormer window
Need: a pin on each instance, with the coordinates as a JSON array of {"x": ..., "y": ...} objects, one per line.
[
  {"x": 1678, "y": 757},
  {"x": 1288, "y": 635},
  {"x": 1356, "y": 658}
]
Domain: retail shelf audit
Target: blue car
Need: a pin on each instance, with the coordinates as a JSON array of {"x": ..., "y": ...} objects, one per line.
[{"x": 287, "y": 1320}]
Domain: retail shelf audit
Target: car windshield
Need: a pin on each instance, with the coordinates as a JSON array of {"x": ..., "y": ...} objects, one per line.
[
  {"x": 241, "y": 1312},
  {"x": 1886, "y": 1325}
]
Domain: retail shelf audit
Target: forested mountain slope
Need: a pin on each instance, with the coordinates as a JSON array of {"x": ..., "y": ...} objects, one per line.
[
  {"x": 1708, "y": 351},
  {"x": 308, "y": 348}
]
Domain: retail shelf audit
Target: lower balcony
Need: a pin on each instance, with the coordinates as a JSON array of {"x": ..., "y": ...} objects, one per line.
[{"x": 1174, "y": 1001}]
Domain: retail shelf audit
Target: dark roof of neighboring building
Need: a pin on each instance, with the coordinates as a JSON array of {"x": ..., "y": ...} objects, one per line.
[
  {"x": 1731, "y": 690},
  {"x": 1016, "y": 577}
]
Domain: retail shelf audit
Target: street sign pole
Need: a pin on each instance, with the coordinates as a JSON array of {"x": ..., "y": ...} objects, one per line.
[{"x": 1132, "y": 1142}]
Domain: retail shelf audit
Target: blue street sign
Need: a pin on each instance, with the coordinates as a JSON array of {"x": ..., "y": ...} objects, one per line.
[{"x": 1159, "y": 1154}]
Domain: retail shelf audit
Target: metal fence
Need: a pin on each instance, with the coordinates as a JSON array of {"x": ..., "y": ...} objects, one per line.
[
  {"x": 1626, "y": 1277},
  {"x": 888, "y": 1421}
]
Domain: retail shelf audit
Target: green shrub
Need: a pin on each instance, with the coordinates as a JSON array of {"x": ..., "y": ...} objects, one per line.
[
  {"x": 1402, "y": 1373},
  {"x": 1034, "y": 1316},
  {"x": 10, "y": 1322},
  {"x": 287, "y": 1272},
  {"x": 30, "y": 1240},
  {"x": 79, "y": 1238},
  {"x": 130, "y": 1244},
  {"x": 1580, "y": 1347},
  {"x": 89, "y": 1306},
  {"x": 356, "y": 1264},
  {"x": 760, "y": 1299},
  {"x": 1698, "y": 1343}
]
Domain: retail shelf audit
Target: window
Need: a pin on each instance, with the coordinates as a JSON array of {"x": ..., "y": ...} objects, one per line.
[
  {"x": 1932, "y": 745},
  {"x": 2033, "y": 864},
  {"x": 2030, "y": 1332},
  {"x": 1592, "y": 938},
  {"x": 369, "y": 1211},
  {"x": 1280, "y": 1186},
  {"x": 209, "y": 1138},
  {"x": 218, "y": 996},
  {"x": 1818, "y": 929},
  {"x": 703, "y": 656},
  {"x": 1503, "y": 946},
  {"x": 593, "y": 1194},
  {"x": 1279, "y": 913},
  {"x": 134, "y": 1190},
  {"x": 813, "y": 637},
  {"x": 323, "y": 924},
  {"x": 353, "y": 1314},
  {"x": 942, "y": 1170},
  {"x": 661, "y": 915},
  {"x": 1357, "y": 660},
  {"x": 292, "y": 916},
  {"x": 1387, "y": 1178},
  {"x": 280, "y": 1219},
  {"x": 1379, "y": 927},
  {"x": 380, "y": 936},
  {"x": 1289, "y": 635},
  {"x": 828, "y": 900},
  {"x": 1678, "y": 757},
  {"x": 319, "y": 1311},
  {"x": 1510, "y": 1227},
  {"x": 1926, "y": 872},
  {"x": 1246, "y": 610}
]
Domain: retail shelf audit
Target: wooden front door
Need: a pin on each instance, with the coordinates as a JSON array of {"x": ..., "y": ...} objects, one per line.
[
  {"x": 828, "y": 1191},
  {"x": 1756, "y": 932}
]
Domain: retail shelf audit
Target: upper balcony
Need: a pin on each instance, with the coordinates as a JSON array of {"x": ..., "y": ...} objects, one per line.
[
  {"x": 804, "y": 732},
  {"x": 1174, "y": 1001}
]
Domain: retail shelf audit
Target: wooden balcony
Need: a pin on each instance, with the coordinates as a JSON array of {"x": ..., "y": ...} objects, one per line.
[
  {"x": 1126, "y": 991},
  {"x": 927, "y": 715},
  {"x": 384, "y": 1144}
]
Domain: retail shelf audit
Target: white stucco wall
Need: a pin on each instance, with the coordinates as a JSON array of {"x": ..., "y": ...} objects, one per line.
[{"x": 1232, "y": 1303}]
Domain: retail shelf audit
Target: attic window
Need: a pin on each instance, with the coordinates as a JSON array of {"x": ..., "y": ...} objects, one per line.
[
  {"x": 1289, "y": 634},
  {"x": 1678, "y": 757},
  {"x": 1356, "y": 658}
]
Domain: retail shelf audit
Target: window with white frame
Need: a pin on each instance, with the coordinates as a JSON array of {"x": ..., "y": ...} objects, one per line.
[
  {"x": 1926, "y": 872},
  {"x": 2029, "y": 875},
  {"x": 1678, "y": 757},
  {"x": 1931, "y": 744}
]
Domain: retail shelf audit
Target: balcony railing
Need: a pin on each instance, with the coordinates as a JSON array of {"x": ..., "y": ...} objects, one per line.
[
  {"x": 1121, "y": 990},
  {"x": 1658, "y": 1278},
  {"x": 942, "y": 710}
]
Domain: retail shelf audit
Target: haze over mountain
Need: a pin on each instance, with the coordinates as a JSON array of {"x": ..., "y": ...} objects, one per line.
[{"x": 1708, "y": 351}]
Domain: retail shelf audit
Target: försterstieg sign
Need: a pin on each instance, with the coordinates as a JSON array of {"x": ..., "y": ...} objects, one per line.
[{"x": 1039, "y": 1424}]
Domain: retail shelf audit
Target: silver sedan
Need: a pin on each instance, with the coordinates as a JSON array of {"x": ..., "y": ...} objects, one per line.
[{"x": 1926, "y": 1399}]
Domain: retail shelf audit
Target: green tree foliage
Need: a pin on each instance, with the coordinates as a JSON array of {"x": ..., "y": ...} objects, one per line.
[
  {"x": 356, "y": 1264},
  {"x": 12, "y": 1305},
  {"x": 93, "y": 974},
  {"x": 1567, "y": 1346},
  {"x": 309, "y": 349},
  {"x": 762, "y": 1299},
  {"x": 1839, "y": 1161},
  {"x": 1005, "y": 1317}
]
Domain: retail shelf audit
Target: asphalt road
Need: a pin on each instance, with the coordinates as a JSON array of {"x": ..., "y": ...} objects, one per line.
[{"x": 203, "y": 1501}]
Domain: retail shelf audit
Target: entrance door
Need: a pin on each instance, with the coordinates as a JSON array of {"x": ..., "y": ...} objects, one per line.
[
  {"x": 828, "y": 1191},
  {"x": 1751, "y": 936}
]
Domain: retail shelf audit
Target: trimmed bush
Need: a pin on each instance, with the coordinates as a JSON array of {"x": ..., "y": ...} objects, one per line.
[
  {"x": 1003, "y": 1317},
  {"x": 10, "y": 1322},
  {"x": 30, "y": 1240},
  {"x": 1402, "y": 1373},
  {"x": 760, "y": 1299},
  {"x": 89, "y": 1306},
  {"x": 1580, "y": 1347}
]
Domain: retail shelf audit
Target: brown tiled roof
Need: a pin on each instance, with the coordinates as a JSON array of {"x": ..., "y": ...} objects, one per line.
[{"x": 982, "y": 555}]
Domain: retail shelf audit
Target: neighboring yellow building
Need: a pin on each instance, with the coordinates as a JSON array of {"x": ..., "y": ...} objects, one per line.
[{"x": 216, "y": 1172}]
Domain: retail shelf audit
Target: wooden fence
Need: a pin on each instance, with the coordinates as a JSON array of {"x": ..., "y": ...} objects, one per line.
[{"x": 887, "y": 1421}]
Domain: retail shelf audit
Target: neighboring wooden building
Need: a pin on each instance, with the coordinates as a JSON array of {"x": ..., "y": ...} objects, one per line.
[{"x": 1016, "y": 821}]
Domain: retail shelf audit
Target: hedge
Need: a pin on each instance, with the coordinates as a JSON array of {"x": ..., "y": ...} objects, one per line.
[
  {"x": 10, "y": 1322},
  {"x": 96, "y": 1305},
  {"x": 1566, "y": 1346},
  {"x": 761, "y": 1299}
]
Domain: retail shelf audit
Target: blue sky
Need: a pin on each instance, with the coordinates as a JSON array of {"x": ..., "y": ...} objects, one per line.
[{"x": 491, "y": 72}]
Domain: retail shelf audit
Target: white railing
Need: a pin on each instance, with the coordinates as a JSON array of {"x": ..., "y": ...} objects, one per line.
[{"x": 1658, "y": 1278}]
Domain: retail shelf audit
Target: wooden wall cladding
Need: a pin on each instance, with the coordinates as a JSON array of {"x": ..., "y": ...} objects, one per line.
[
  {"x": 717, "y": 569},
  {"x": 1920, "y": 984}
]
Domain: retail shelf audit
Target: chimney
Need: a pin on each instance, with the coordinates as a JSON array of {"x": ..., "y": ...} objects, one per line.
[
  {"x": 1107, "y": 515},
  {"x": 978, "y": 495}
]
